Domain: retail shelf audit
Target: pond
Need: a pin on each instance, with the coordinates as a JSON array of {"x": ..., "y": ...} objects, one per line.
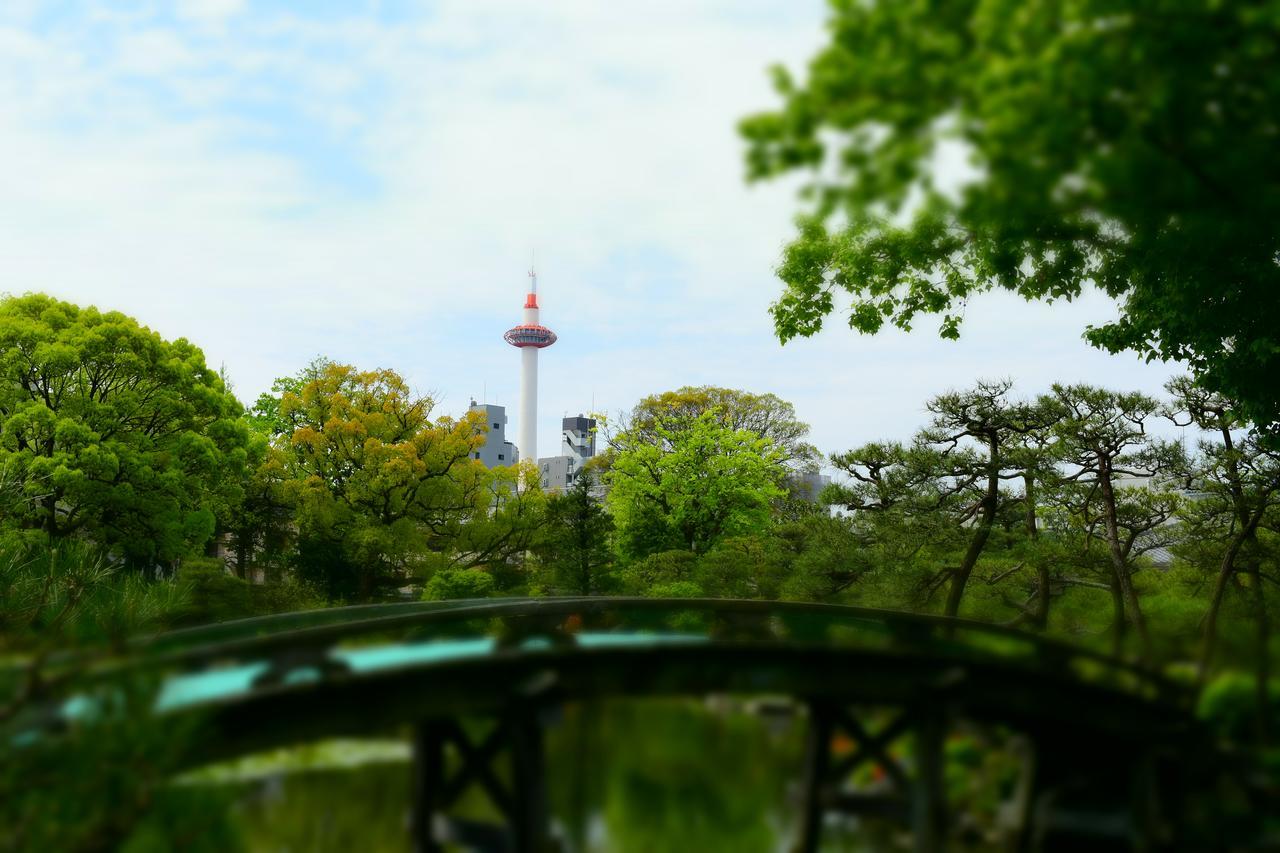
[{"x": 648, "y": 775}]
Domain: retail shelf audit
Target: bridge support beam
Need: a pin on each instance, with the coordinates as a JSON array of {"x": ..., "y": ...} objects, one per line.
[
  {"x": 914, "y": 798},
  {"x": 521, "y": 803},
  {"x": 929, "y": 796}
]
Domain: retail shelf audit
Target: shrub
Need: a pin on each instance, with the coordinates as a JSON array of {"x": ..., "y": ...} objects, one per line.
[
  {"x": 448, "y": 584},
  {"x": 664, "y": 568}
]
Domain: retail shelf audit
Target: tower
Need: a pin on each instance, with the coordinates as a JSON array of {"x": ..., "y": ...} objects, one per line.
[{"x": 529, "y": 337}]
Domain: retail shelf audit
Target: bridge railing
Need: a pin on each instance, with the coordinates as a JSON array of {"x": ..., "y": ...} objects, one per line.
[{"x": 298, "y": 638}]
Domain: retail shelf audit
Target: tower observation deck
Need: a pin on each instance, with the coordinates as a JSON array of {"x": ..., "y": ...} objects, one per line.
[{"x": 529, "y": 337}]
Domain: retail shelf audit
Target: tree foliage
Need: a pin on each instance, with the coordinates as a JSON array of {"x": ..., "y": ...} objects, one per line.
[
  {"x": 575, "y": 544},
  {"x": 765, "y": 415},
  {"x": 371, "y": 474},
  {"x": 1112, "y": 143},
  {"x": 686, "y": 481},
  {"x": 114, "y": 432}
]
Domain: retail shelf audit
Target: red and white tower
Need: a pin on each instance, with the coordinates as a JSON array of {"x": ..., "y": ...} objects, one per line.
[{"x": 530, "y": 337}]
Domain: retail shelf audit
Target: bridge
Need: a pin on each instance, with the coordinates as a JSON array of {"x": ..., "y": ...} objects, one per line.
[{"x": 1110, "y": 754}]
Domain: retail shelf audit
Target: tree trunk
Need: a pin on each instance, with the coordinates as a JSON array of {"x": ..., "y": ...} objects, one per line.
[
  {"x": 980, "y": 535},
  {"x": 1225, "y": 571},
  {"x": 1120, "y": 624},
  {"x": 51, "y": 516},
  {"x": 1120, "y": 565},
  {"x": 1040, "y": 616},
  {"x": 242, "y": 555},
  {"x": 1263, "y": 655}
]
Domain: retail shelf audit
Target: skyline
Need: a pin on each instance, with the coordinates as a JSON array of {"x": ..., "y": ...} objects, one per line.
[{"x": 366, "y": 184}]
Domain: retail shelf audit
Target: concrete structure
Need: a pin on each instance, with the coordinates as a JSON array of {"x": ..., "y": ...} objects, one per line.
[
  {"x": 529, "y": 337},
  {"x": 557, "y": 472},
  {"x": 578, "y": 437},
  {"x": 578, "y": 444},
  {"x": 496, "y": 450},
  {"x": 808, "y": 485}
]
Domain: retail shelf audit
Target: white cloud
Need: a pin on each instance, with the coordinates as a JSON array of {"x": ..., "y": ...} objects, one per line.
[
  {"x": 214, "y": 12},
  {"x": 275, "y": 185}
]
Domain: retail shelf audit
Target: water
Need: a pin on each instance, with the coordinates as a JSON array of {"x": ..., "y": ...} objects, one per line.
[{"x": 622, "y": 776}]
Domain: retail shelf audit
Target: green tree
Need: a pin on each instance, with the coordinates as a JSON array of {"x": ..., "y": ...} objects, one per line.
[
  {"x": 908, "y": 505},
  {"x": 258, "y": 519},
  {"x": 978, "y": 432},
  {"x": 115, "y": 433},
  {"x": 374, "y": 478},
  {"x": 744, "y": 567},
  {"x": 983, "y": 438},
  {"x": 575, "y": 545},
  {"x": 765, "y": 415},
  {"x": 684, "y": 482},
  {"x": 265, "y": 415},
  {"x": 1119, "y": 143},
  {"x": 1237, "y": 482},
  {"x": 1103, "y": 440}
]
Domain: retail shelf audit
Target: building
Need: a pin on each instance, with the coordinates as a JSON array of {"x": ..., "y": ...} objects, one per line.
[
  {"x": 577, "y": 445},
  {"x": 578, "y": 437},
  {"x": 808, "y": 485},
  {"x": 496, "y": 450}
]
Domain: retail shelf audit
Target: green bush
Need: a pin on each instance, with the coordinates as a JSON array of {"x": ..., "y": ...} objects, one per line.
[
  {"x": 448, "y": 584},
  {"x": 675, "y": 589},
  {"x": 216, "y": 595},
  {"x": 1230, "y": 705},
  {"x": 660, "y": 569}
]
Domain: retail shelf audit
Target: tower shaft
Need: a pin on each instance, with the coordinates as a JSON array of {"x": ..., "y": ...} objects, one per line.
[
  {"x": 529, "y": 336},
  {"x": 529, "y": 404}
]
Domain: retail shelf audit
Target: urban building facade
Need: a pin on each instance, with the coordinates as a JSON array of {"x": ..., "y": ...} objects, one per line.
[
  {"x": 496, "y": 450},
  {"x": 577, "y": 446}
]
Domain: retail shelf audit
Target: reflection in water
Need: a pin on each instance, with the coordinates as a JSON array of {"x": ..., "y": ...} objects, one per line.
[
  {"x": 643, "y": 776},
  {"x": 623, "y": 776}
]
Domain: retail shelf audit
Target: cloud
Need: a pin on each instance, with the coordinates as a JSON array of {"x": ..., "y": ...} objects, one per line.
[
  {"x": 367, "y": 181},
  {"x": 215, "y": 12}
]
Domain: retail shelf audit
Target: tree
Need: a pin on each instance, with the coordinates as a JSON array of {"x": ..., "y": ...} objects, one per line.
[
  {"x": 258, "y": 520},
  {"x": 265, "y": 416},
  {"x": 903, "y": 502},
  {"x": 575, "y": 544},
  {"x": 764, "y": 415},
  {"x": 1102, "y": 437},
  {"x": 1118, "y": 144},
  {"x": 684, "y": 482},
  {"x": 374, "y": 479},
  {"x": 1237, "y": 483},
  {"x": 115, "y": 433},
  {"x": 983, "y": 416}
]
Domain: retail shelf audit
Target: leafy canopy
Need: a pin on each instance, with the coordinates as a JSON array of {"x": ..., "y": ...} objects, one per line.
[
  {"x": 371, "y": 474},
  {"x": 684, "y": 482},
  {"x": 112, "y": 431},
  {"x": 766, "y": 415},
  {"x": 1112, "y": 142}
]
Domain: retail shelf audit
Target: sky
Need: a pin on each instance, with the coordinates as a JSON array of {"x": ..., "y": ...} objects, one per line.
[{"x": 369, "y": 181}]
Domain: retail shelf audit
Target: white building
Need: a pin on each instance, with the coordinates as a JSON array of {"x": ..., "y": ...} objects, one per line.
[
  {"x": 496, "y": 450},
  {"x": 577, "y": 445}
]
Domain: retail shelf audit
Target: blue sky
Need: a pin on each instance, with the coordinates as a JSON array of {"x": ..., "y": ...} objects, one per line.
[{"x": 367, "y": 181}]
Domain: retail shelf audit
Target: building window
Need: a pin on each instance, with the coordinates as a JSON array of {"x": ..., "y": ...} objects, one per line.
[
  {"x": 496, "y": 426},
  {"x": 500, "y": 456},
  {"x": 477, "y": 455}
]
